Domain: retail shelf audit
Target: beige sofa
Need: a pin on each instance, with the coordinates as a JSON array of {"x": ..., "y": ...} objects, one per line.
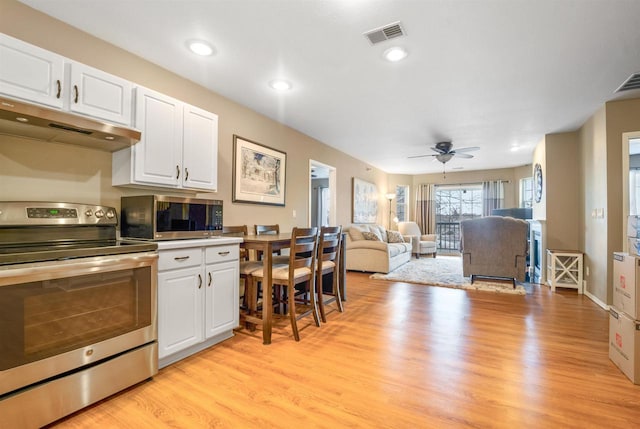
[{"x": 371, "y": 255}]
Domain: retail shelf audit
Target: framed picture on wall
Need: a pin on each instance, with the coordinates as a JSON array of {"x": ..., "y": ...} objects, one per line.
[
  {"x": 365, "y": 201},
  {"x": 258, "y": 173}
]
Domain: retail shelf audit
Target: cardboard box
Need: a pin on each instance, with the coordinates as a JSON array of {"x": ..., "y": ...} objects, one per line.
[
  {"x": 634, "y": 245},
  {"x": 626, "y": 276},
  {"x": 624, "y": 344},
  {"x": 633, "y": 226}
]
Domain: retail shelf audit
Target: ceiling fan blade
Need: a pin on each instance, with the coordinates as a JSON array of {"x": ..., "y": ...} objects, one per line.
[
  {"x": 421, "y": 156},
  {"x": 467, "y": 149},
  {"x": 463, "y": 155},
  {"x": 437, "y": 150}
]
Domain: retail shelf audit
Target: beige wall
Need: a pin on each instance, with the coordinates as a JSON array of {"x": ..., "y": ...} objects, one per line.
[
  {"x": 593, "y": 171},
  {"x": 37, "y": 170},
  {"x": 464, "y": 177},
  {"x": 563, "y": 191}
]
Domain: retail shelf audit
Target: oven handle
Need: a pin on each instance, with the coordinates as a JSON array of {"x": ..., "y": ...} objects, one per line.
[{"x": 39, "y": 271}]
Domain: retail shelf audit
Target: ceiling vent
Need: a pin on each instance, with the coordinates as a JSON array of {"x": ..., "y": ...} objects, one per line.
[
  {"x": 633, "y": 82},
  {"x": 390, "y": 31}
]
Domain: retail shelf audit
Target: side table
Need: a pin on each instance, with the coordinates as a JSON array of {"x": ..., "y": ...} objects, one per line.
[{"x": 564, "y": 269}]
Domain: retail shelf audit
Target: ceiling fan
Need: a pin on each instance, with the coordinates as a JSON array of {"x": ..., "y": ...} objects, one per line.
[{"x": 444, "y": 152}]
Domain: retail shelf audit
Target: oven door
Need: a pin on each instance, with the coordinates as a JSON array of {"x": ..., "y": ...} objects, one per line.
[{"x": 59, "y": 316}]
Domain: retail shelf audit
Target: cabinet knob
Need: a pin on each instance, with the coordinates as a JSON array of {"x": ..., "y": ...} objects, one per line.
[
  {"x": 186, "y": 174},
  {"x": 59, "y": 88},
  {"x": 177, "y": 171},
  {"x": 199, "y": 281},
  {"x": 75, "y": 89},
  {"x": 210, "y": 280}
]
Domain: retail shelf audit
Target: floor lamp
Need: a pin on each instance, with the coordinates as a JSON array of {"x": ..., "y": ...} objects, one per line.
[{"x": 390, "y": 196}]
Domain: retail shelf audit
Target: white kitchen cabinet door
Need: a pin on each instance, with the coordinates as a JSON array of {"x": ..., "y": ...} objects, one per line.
[
  {"x": 158, "y": 154},
  {"x": 180, "y": 307},
  {"x": 222, "y": 298},
  {"x": 200, "y": 151},
  {"x": 101, "y": 95},
  {"x": 31, "y": 73}
]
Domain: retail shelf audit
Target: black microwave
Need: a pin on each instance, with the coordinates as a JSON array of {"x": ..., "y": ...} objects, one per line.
[{"x": 159, "y": 217}]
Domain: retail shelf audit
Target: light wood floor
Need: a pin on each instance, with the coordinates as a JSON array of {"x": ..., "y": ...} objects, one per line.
[{"x": 401, "y": 356}]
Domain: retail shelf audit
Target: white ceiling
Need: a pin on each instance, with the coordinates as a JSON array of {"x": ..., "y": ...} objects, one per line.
[{"x": 498, "y": 74}]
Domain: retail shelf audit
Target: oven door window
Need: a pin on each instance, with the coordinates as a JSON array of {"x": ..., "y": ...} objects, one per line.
[{"x": 45, "y": 318}]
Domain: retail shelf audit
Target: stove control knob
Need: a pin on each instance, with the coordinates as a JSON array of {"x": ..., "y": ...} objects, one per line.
[
  {"x": 111, "y": 214},
  {"x": 88, "y": 213},
  {"x": 99, "y": 214}
]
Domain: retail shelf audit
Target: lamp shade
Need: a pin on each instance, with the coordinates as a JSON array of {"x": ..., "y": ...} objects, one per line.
[{"x": 390, "y": 196}]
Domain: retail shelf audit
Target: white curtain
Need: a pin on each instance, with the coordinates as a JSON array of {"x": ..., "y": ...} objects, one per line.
[
  {"x": 634, "y": 190},
  {"x": 492, "y": 196},
  {"x": 426, "y": 208}
]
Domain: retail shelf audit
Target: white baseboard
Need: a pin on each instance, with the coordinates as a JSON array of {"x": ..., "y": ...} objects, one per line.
[{"x": 594, "y": 298}]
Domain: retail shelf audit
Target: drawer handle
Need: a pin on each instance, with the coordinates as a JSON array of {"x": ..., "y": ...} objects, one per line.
[
  {"x": 199, "y": 281},
  {"x": 181, "y": 258},
  {"x": 223, "y": 253},
  {"x": 75, "y": 99},
  {"x": 210, "y": 280},
  {"x": 59, "y": 88}
]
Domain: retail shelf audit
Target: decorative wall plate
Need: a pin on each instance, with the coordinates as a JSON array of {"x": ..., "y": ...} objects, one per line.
[{"x": 537, "y": 182}]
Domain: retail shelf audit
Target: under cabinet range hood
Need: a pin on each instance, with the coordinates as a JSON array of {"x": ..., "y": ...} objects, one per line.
[{"x": 41, "y": 123}]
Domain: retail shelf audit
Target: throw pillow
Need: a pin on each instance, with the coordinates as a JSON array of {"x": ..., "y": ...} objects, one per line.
[
  {"x": 369, "y": 235},
  {"x": 394, "y": 237}
]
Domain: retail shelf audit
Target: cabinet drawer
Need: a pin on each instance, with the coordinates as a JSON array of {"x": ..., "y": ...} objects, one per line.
[
  {"x": 179, "y": 258},
  {"x": 221, "y": 253}
]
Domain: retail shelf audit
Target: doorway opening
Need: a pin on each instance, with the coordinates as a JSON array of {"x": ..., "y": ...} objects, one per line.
[{"x": 322, "y": 194}]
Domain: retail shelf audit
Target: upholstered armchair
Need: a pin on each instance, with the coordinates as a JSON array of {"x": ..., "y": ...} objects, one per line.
[
  {"x": 423, "y": 244},
  {"x": 494, "y": 246}
]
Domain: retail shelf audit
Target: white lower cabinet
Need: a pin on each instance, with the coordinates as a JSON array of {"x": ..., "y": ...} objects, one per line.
[{"x": 198, "y": 296}]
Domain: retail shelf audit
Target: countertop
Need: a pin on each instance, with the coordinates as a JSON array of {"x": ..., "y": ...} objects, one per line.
[{"x": 197, "y": 242}]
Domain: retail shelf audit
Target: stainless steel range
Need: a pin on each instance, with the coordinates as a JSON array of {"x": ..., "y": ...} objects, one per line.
[{"x": 77, "y": 310}]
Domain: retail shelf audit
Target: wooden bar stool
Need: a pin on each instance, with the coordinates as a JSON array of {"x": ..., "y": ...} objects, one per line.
[
  {"x": 270, "y": 229},
  {"x": 328, "y": 257},
  {"x": 300, "y": 269}
]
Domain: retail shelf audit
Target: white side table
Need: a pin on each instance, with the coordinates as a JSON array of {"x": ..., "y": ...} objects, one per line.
[{"x": 564, "y": 269}]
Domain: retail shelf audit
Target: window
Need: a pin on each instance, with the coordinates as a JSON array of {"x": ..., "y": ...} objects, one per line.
[
  {"x": 454, "y": 204},
  {"x": 526, "y": 192},
  {"x": 402, "y": 203}
]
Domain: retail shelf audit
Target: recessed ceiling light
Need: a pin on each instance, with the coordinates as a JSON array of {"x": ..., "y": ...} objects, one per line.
[
  {"x": 280, "y": 85},
  {"x": 200, "y": 47},
  {"x": 395, "y": 54},
  {"x": 21, "y": 119}
]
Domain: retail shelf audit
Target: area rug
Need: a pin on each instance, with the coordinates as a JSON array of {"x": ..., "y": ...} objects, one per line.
[{"x": 444, "y": 272}]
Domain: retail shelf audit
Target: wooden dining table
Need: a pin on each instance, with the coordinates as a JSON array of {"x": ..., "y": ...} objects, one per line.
[{"x": 267, "y": 243}]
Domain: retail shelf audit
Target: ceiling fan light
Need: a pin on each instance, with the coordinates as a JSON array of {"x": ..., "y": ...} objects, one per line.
[{"x": 444, "y": 158}]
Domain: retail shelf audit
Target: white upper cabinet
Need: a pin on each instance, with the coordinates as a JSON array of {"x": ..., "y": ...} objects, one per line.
[
  {"x": 178, "y": 149},
  {"x": 200, "y": 151},
  {"x": 157, "y": 157},
  {"x": 36, "y": 75},
  {"x": 96, "y": 93},
  {"x": 30, "y": 73}
]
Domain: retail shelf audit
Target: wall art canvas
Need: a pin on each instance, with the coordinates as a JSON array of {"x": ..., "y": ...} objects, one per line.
[
  {"x": 258, "y": 173},
  {"x": 365, "y": 201}
]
